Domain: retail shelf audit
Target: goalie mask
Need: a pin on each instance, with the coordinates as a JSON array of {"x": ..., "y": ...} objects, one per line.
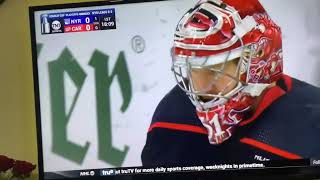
[{"x": 225, "y": 54}]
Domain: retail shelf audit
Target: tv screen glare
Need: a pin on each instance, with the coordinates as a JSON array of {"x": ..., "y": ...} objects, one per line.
[{"x": 108, "y": 103}]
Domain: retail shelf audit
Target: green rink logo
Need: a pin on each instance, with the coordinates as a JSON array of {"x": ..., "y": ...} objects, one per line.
[{"x": 67, "y": 64}]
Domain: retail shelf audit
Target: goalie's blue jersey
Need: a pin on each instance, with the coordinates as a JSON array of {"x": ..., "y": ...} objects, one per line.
[{"x": 286, "y": 125}]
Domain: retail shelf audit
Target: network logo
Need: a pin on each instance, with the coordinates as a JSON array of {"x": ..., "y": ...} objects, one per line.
[
  {"x": 87, "y": 173},
  {"x": 56, "y": 25}
]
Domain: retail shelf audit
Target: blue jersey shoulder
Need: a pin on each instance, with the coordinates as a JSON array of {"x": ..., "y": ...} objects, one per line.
[
  {"x": 292, "y": 122},
  {"x": 176, "y": 107}
]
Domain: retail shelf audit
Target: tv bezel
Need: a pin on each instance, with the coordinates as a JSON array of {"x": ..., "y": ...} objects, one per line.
[{"x": 311, "y": 172}]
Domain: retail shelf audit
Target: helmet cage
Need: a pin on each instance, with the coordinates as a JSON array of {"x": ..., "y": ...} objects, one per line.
[{"x": 182, "y": 67}]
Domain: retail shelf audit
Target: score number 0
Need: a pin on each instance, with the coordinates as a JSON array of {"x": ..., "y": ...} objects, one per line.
[{"x": 88, "y": 27}]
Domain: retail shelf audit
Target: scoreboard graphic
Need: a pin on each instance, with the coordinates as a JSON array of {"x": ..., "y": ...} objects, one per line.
[{"x": 78, "y": 21}]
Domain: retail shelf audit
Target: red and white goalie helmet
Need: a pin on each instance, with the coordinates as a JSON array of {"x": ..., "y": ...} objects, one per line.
[{"x": 214, "y": 33}]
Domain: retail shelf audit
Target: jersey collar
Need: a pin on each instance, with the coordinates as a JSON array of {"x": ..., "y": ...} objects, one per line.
[{"x": 283, "y": 86}]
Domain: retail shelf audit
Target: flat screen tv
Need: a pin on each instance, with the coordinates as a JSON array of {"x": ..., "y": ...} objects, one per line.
[{"x": 125, "y": 89}]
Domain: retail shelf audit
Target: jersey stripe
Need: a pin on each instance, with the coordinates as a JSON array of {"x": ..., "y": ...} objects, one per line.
[
  {"x": 179, "y": 127},
  {"x": 269, "y": 148}
]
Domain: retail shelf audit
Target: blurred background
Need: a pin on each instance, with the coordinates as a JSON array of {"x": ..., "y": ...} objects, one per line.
[{"x": 298, "y": 19}]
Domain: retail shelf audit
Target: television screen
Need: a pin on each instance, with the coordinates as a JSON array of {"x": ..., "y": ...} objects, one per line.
[{"x": 166, "y": 87}]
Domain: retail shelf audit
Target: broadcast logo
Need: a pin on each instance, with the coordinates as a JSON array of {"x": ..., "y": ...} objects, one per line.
[
  {"x": 107, "y": 172},
  {"x": 87, "y": 173},
  {"x": 56, "y": 25}
]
